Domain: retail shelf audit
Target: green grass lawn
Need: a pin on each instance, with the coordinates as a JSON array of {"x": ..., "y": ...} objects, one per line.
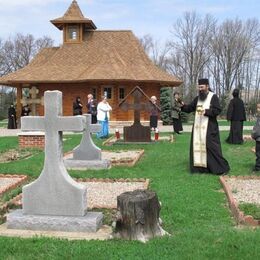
[
  {"x": 222, "y": 122},
  {"x": 194, "y": 209},
  {"x": 3, "y": 123}
]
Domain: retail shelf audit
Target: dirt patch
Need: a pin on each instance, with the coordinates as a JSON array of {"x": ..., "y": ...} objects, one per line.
[
  {"x": 14, "y": 155},
  {"x": 123, "y": 157}
]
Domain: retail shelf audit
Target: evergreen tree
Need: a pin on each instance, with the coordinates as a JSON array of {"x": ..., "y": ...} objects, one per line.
[{"x": 165, "y": 101}]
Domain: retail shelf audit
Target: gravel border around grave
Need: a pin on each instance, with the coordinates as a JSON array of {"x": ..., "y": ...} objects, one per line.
[
  {"x": 239, "y": 215},
  {"x": 128, "y": 162},
  {"x": 17, "y": 200},
  {"x": 22, "y": 178},
  {"x": 112, "y": 140}
]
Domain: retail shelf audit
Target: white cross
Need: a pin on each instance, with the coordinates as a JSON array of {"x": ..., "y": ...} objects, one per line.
[
  {"x": 87, "y": 150},
  {"x": 54, "y": 192}
]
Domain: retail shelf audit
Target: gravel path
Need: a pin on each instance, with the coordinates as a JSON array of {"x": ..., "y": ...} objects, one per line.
[{"x": 245, "y": 190}]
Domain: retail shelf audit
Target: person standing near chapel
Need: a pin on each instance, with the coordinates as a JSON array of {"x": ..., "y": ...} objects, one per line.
[
  {"x": 176, "y": 113},
  {"x": 11, "y": 117},
  {"x": 236, "y": 114},
  {"x": 92, "y": 109},
  {"x": 77, "y": 107},
  {"x": 103, "y": 116},
  {"x": 154, "y": 114},
  {"x": 205, "y": 148},
  {"x": 256, "y": 136},
  {"x": 26, "y": 110}
]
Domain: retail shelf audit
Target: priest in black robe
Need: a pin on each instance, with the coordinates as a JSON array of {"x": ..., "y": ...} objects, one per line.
[
  {"x": 236, "y": 114},
  {"x": 205, "y": 149},
  {"x": 11, "y": 118}
]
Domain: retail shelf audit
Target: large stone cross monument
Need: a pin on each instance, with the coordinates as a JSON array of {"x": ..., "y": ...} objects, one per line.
[
  {"x": 54, "y": 198},
  {"x": 136, "y": 132}
]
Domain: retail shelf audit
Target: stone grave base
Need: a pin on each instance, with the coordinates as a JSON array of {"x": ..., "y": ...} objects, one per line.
[
  {"x": 91, "y": 222},
  {"x": 105, "y": 232},
  {"x": 241, "y": 189},
  {"x": 71, "y": 164}
]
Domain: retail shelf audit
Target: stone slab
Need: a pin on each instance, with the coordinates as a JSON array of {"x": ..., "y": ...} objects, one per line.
[
  {"x": 72, "y": 164},
  {"x": 91, "y": 222},
  {"x": 104, "y": 233}
]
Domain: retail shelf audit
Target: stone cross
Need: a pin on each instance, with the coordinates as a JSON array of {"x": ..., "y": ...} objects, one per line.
[
  {"x": 87, "y": 150},
  {"x": 54, "y": 192},
  {"x": 33, "y": 100}
]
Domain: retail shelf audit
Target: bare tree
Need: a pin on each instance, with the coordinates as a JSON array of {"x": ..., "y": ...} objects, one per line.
[
  {"x": 18, "y": 51},
  {"x": 190, "y": 52},
  {"x": 232, "y": 43},
  {"x": 157, "y": 52}
]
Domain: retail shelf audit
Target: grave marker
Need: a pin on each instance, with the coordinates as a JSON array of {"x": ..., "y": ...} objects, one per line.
[{"x": 54, "y": 201}]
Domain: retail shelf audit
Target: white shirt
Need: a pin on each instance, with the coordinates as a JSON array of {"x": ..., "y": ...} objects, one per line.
[{"x": 103, "y": 111}]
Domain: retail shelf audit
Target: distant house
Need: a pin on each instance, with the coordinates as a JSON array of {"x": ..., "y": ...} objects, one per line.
[{"x": 91, "y": 61}]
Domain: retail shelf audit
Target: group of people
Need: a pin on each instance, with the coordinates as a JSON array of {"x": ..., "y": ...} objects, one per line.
[
  {"x": 205, "y": 148},
  {"x": 12, "y": 120},
  {"x": 99, "y": 113}
]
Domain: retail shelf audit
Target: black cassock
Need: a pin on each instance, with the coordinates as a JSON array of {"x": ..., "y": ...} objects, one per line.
[
  {"x": 216, "y": 163},
  {"x": 236, "y": 114},
  {"x": 11, "y": 118}
]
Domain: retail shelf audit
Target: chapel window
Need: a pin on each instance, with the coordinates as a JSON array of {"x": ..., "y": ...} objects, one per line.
[
  {"x": 108, "y": 92},
  {"x": 121, "y": 93},
  {"x": 73, "y": 32}
]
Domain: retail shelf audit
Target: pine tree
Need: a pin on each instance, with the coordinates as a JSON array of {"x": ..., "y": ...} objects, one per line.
[{"x": 165, "y": 101}]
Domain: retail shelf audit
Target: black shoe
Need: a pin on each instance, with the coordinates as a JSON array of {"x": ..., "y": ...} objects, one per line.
[{"x": 224, "y": 173}]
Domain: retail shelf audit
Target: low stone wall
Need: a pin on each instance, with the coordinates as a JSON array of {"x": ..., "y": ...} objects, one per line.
[{"x": 31, "y": 140}]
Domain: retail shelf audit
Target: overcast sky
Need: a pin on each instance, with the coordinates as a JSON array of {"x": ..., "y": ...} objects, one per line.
[{"x": 153, "y": 17}]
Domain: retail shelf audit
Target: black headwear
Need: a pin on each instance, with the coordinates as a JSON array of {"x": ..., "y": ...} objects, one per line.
[
  {"x": 235, "y": 92},
  {"x": 203, "y": 82}
]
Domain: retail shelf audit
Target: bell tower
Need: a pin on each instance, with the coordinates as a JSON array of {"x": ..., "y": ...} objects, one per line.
[{"x": 73, "y": 24}]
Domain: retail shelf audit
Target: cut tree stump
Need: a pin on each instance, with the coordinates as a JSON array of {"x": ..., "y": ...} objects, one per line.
[{"x": 138, "y": 216}]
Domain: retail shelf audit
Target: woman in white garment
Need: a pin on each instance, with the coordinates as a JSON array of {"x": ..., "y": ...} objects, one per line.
[{"x": 103, "y": 110}]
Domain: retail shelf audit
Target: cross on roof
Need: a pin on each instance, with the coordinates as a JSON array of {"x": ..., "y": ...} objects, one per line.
[
  {"x": 87, "y": 150},
  {"x": 55, "y": 191}
]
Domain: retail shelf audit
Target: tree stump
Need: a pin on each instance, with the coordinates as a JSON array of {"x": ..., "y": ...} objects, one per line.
[{"x": 138, "y": 216}]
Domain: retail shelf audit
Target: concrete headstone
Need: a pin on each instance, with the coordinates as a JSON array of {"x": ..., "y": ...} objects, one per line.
[
  {"x": 87, "y": 150},
  {"x": 54, "y": 197},
  {"x": 87, "y": 155}
]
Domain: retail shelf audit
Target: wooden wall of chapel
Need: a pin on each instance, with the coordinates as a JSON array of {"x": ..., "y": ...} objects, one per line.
[{"x": 71, "y": 91}]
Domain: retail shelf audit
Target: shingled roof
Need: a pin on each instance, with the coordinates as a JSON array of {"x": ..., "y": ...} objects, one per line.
[
  {"x": 103, "y": 56},
  {"x": 73, "y": 15}
]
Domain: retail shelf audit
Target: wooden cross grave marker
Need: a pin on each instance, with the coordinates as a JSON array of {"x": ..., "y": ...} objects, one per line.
[
  {"x": 34, "y": 101},
  {"x": 137, "y": 132}
]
